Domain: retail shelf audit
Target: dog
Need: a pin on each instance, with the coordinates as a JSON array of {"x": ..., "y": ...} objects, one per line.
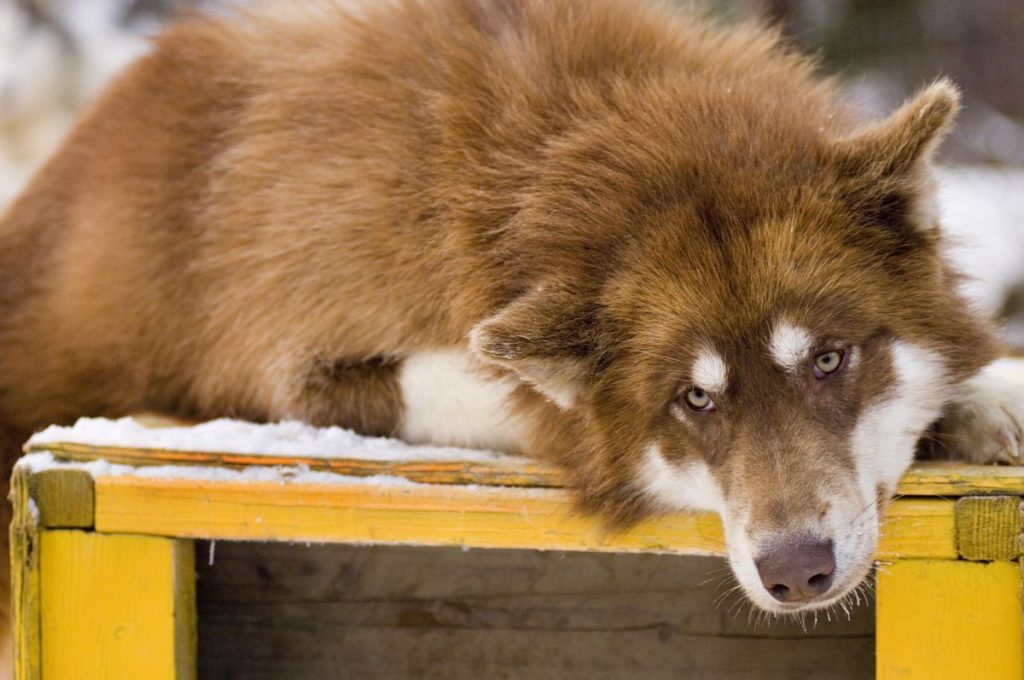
[{"x": 657, "y": 251}]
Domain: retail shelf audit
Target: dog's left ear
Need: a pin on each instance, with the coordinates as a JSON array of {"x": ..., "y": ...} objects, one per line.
[
  {"x": 907, "y": 138},
  {"x": 546, "y": 337},
  {"x": 887, "y": 167}
]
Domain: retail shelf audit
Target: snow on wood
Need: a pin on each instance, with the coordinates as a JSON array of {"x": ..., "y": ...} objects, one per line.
[
  {"x": 300, "y": 474},
  {"x": 288, "y": 438}
]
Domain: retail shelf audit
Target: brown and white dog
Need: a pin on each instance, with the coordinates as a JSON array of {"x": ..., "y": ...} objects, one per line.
[{"x": 656, "y": 251}]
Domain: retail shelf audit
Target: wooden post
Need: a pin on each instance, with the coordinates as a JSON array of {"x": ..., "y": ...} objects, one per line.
[
  {"x": 24, "y": 534},
  {"x": 117, "y": 607},
  {"x": 949, "y": 619}
]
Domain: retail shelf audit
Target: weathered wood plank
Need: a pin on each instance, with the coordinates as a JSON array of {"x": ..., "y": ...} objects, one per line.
[
  {"x": 485, "y": 517},
  {"x": 25, "y": 579},
  {"x": 951, "y": 479},
  {"x": 926, "y": 478},
  {"x": 511, "y": 472},
  {"x": 288, "y": 611}
]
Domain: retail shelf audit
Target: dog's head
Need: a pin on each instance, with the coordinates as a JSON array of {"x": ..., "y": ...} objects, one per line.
[{"x": 769, "y": 344}]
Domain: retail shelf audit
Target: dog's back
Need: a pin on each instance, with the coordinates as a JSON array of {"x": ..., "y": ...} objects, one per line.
[
  {"x": 657, "y": 251},
  {"x": 295, "y": 183}
]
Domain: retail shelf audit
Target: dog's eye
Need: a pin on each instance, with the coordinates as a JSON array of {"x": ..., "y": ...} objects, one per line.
[
  {"x": 699, "y": 400},
  {"x": 828, "y": 363}
]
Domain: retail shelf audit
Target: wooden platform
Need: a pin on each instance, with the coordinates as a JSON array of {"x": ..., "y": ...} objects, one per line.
[{"x": 105, "y": 575}]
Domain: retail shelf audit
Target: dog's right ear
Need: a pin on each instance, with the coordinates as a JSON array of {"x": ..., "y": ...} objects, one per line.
[{"x": 546, "y": 337}]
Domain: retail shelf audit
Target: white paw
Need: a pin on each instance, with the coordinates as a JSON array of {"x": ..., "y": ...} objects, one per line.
[{"x": 985, "y": 422}]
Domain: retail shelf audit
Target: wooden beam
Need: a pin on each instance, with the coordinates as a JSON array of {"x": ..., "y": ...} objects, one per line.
[
  {"x": 116, "y": 607},
  {"x": 949, "y": 619},
  {"x": 25, "y": 578},
  {"x": 408, "y": 514}
]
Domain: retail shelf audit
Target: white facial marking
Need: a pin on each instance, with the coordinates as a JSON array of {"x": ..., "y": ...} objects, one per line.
[
  {"x": 685, "y": 486},
  {"x": 885, "y": 438},
  {"x": 710, "y": 373},
  {"x": 790, "y": 345},
  {"x": 449, "y": 401}
]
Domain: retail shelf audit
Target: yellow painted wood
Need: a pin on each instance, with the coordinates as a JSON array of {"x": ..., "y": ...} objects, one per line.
[
  {"x": 64, "y": 498},
  {"x": 947, "y": 478},
  {"x": 918, "y": 528},
  {"x": 928, "y": 478},
  {"x": 950, "y": 620},
  {"x": 116, "y": 607},
  {"x": 988, "y": 527},
  {"x": 443, "y": 515},
  {"x": 24, "y": 579}
]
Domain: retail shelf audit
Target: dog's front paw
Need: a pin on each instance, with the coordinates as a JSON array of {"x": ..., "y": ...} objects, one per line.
[{"x": 985, "y": 422}]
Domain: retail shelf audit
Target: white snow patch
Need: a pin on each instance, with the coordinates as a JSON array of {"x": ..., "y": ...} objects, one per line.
[
  {"x": 983, "y": 215},
  {"x": 288, "y": 438}
]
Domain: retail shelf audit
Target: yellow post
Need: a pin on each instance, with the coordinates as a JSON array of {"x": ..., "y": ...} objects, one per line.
[
  {"x": 949, "y": 619},
  {"x": 116, "y": 607}
]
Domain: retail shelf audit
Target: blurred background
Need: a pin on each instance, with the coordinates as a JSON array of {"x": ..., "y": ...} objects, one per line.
[{"x": 56, "y": 55}]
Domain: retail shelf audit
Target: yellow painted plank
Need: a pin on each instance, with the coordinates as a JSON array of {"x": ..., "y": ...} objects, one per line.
[
  {"x": 485, "y": 517},
  {"x": 919, "y": 528},
  {"x": 372, "y": 513},
  {"x": 946, "y": 478},
  {"x": 928, "y": 478},
  {"x": 950, "y": 620},
  {"x": 116, "y": 607}
]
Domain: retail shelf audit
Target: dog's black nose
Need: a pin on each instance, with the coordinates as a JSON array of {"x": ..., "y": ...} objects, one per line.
[{"x": 797, "y": 570}]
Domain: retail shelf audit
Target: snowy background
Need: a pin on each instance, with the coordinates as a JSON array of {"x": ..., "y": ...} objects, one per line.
[{"x": 56, "y": 55}]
